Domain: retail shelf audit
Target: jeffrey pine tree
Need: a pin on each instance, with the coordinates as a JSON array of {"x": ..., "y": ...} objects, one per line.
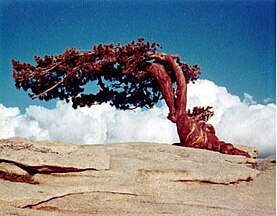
[{"x": 126, "y": 76}]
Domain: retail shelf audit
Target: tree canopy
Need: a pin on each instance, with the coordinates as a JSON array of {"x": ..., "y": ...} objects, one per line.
[
  {"x": 117, "y": 70},
  {"x": 127, "y": 76}
]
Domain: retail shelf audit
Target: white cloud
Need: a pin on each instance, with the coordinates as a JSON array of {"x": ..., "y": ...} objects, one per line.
[{"x": 236, "y": 121}]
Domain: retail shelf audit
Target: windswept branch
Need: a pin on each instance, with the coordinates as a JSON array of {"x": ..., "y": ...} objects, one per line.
[{"x": 47, "y": 90}]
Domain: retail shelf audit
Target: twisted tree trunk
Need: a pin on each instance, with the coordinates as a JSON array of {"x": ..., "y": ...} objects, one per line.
[{"x": 192, "y": 132}]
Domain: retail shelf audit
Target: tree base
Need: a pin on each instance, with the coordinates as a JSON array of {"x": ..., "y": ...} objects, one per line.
[
  {"x": 198, "y": 134},
  {"x": 225, "y": 148}
]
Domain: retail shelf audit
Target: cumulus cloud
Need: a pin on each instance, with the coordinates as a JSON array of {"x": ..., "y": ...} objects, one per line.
[{"x": 236, "y": 121}]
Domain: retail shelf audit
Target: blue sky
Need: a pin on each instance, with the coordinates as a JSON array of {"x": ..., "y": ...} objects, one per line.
[{"x": 232, "y": 41}]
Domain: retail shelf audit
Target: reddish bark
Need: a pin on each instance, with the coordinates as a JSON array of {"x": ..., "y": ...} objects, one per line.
[
  {"x": 165, "y": 83},
  {"x": 192, "y": 131},
  {"x": 133, "y": 71}
]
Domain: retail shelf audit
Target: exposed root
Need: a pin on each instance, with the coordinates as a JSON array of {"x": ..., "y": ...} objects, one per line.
[{"x": 202, "y": 135}]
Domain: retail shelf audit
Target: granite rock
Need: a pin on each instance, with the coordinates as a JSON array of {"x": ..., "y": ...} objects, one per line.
[{"x": 55, "y": 178}]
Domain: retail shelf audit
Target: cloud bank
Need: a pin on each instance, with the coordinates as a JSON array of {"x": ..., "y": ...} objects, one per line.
[{"x": 236, "y": 121}]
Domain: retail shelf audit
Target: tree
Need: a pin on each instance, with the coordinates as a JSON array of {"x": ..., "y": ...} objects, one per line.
[{"x": 128, "y": 76}]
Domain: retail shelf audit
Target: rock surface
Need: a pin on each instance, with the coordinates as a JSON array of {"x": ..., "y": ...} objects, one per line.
[{"x": 54, "y": 178}]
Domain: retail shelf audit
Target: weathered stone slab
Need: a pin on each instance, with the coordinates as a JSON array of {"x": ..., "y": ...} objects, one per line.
[
  {"x": 53, "y": 154},
  {"x": 131, "y": 179}
]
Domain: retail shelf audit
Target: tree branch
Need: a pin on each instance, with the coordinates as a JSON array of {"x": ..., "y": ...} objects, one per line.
[
  {"x": 158, "y": 71},
  {"x": 181, "y": 94},
  {"x": 47, "y": 90}
]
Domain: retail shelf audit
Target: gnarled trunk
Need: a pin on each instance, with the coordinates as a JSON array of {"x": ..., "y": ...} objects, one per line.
[{"x": 192, "y": 131}]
